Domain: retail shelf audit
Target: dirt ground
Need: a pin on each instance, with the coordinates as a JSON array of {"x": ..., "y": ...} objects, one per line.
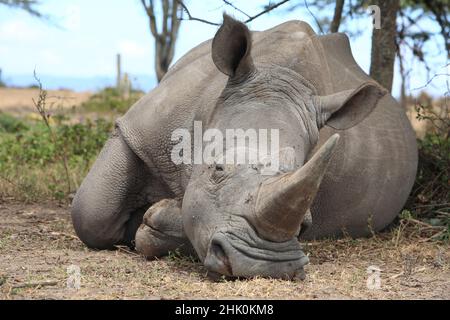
[{"x": 38, "y": 245}]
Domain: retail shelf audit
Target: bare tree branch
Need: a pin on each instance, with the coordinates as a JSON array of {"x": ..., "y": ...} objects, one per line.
[
  {"x": 315, "y": 19},
  {"x": 149, "y": 8},
  {"x": 440, "y": 12},
  {"x": 165, "y": 5},
  {"x": 191, "y": 18},
  {"x": 172, "y": 15},
  {"x": 235, "y": 8},
  {"x": 431, "y": 80},
  {"x": 166, "y": 39},
  {"x": 269, "y": 8},
  {"x": 175, "y": 26},
  {"x": 27, "y": 5}
]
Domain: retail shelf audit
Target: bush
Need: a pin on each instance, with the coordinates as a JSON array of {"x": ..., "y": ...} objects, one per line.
[
  {"x": 49, "y": 158},
  {"x": 430, "y": 199},
  {"x": 30, "y": 160},
  {"x": 10, "y": 124},
  {"x": 34, "y": 146},
  {"x": 110, "y": 99},
  {"x": 2, "y": 83}
]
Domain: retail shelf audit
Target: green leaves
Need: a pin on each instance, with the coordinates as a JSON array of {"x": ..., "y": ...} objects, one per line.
[
  {"x": 33, "y": 145},
  {"x": 111, "y": 99},
  {"x": 30, "y": 160},
  {"x": 10, "y": 124}
]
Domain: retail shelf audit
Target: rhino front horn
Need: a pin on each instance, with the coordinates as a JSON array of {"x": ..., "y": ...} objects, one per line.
[{"x": 283, "y": 201}]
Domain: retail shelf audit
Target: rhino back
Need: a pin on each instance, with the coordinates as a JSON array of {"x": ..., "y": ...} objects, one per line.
[{"x": 374, "y": 168}]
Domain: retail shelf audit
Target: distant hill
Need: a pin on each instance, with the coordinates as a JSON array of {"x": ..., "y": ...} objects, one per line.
[{"x": 142, "y": 82}]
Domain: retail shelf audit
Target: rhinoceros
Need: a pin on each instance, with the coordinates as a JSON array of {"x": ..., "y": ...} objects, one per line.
[{"x": 355, "y": 156}]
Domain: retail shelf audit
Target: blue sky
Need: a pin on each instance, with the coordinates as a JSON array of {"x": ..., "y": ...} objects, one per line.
[{"x": 83, "y": 37}]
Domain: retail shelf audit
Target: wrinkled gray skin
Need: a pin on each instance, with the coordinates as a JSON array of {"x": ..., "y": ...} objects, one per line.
[{"x": 238, "y": 222}]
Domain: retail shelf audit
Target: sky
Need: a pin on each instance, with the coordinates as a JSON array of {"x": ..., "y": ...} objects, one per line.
[{"x": 77, "y": 46}]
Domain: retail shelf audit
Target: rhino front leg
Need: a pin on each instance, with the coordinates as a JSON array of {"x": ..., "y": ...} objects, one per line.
[
  {"x": 162, "y": 231},
  {"x": 109, "y": 205}
]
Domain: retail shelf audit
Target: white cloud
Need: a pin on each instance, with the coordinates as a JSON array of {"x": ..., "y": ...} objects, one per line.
[{"x": 132, "y": 49}]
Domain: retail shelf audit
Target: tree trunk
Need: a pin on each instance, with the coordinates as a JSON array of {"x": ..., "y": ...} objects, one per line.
[
  {"x": 384, "y": 48},
  {"x": 165, "y": 39},
  {"x": 403, "y": 75},
  {"x": 336, "y": 23}
]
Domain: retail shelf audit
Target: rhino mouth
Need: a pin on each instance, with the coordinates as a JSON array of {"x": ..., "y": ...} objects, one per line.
[{"x": 238, "y": 254}]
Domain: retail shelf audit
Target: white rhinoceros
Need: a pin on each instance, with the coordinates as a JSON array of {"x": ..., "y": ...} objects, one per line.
[{"x": 354, "y": 161}]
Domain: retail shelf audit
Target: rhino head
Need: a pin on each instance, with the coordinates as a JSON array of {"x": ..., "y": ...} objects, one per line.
[{"x": 243, "y": 223}]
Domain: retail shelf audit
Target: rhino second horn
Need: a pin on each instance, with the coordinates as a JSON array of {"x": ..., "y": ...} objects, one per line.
[{"x": 283, "y": 201}]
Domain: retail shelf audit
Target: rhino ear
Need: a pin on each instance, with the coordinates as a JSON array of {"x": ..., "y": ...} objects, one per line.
[
  {"x": 345, "y": 109},
  {"x": 231, "y": 48}
]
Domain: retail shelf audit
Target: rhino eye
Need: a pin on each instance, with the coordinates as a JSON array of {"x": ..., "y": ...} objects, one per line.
[{"x": 218, "y": 174}]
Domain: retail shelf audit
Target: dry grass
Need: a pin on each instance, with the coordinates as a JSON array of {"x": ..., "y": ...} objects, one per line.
[
  {"x": 20, "y": 101},
  {"x": 32, "y": 184},
  {"x": 37, "y": 244},
  {"x": 439, "y": 108}
]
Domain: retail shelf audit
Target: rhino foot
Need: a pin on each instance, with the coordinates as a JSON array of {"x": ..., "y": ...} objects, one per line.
[{"x": 162, "y": 231}]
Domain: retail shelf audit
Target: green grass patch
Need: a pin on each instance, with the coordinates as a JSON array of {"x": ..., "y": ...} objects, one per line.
[
  {"x": 30, "y": 160},
  {"x": 111, "y": 99}
]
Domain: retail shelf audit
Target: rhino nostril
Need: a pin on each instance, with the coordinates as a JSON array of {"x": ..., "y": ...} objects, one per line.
[
  {"x": 218, "y": 251},
  {"x": 217, "y": 260}
]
